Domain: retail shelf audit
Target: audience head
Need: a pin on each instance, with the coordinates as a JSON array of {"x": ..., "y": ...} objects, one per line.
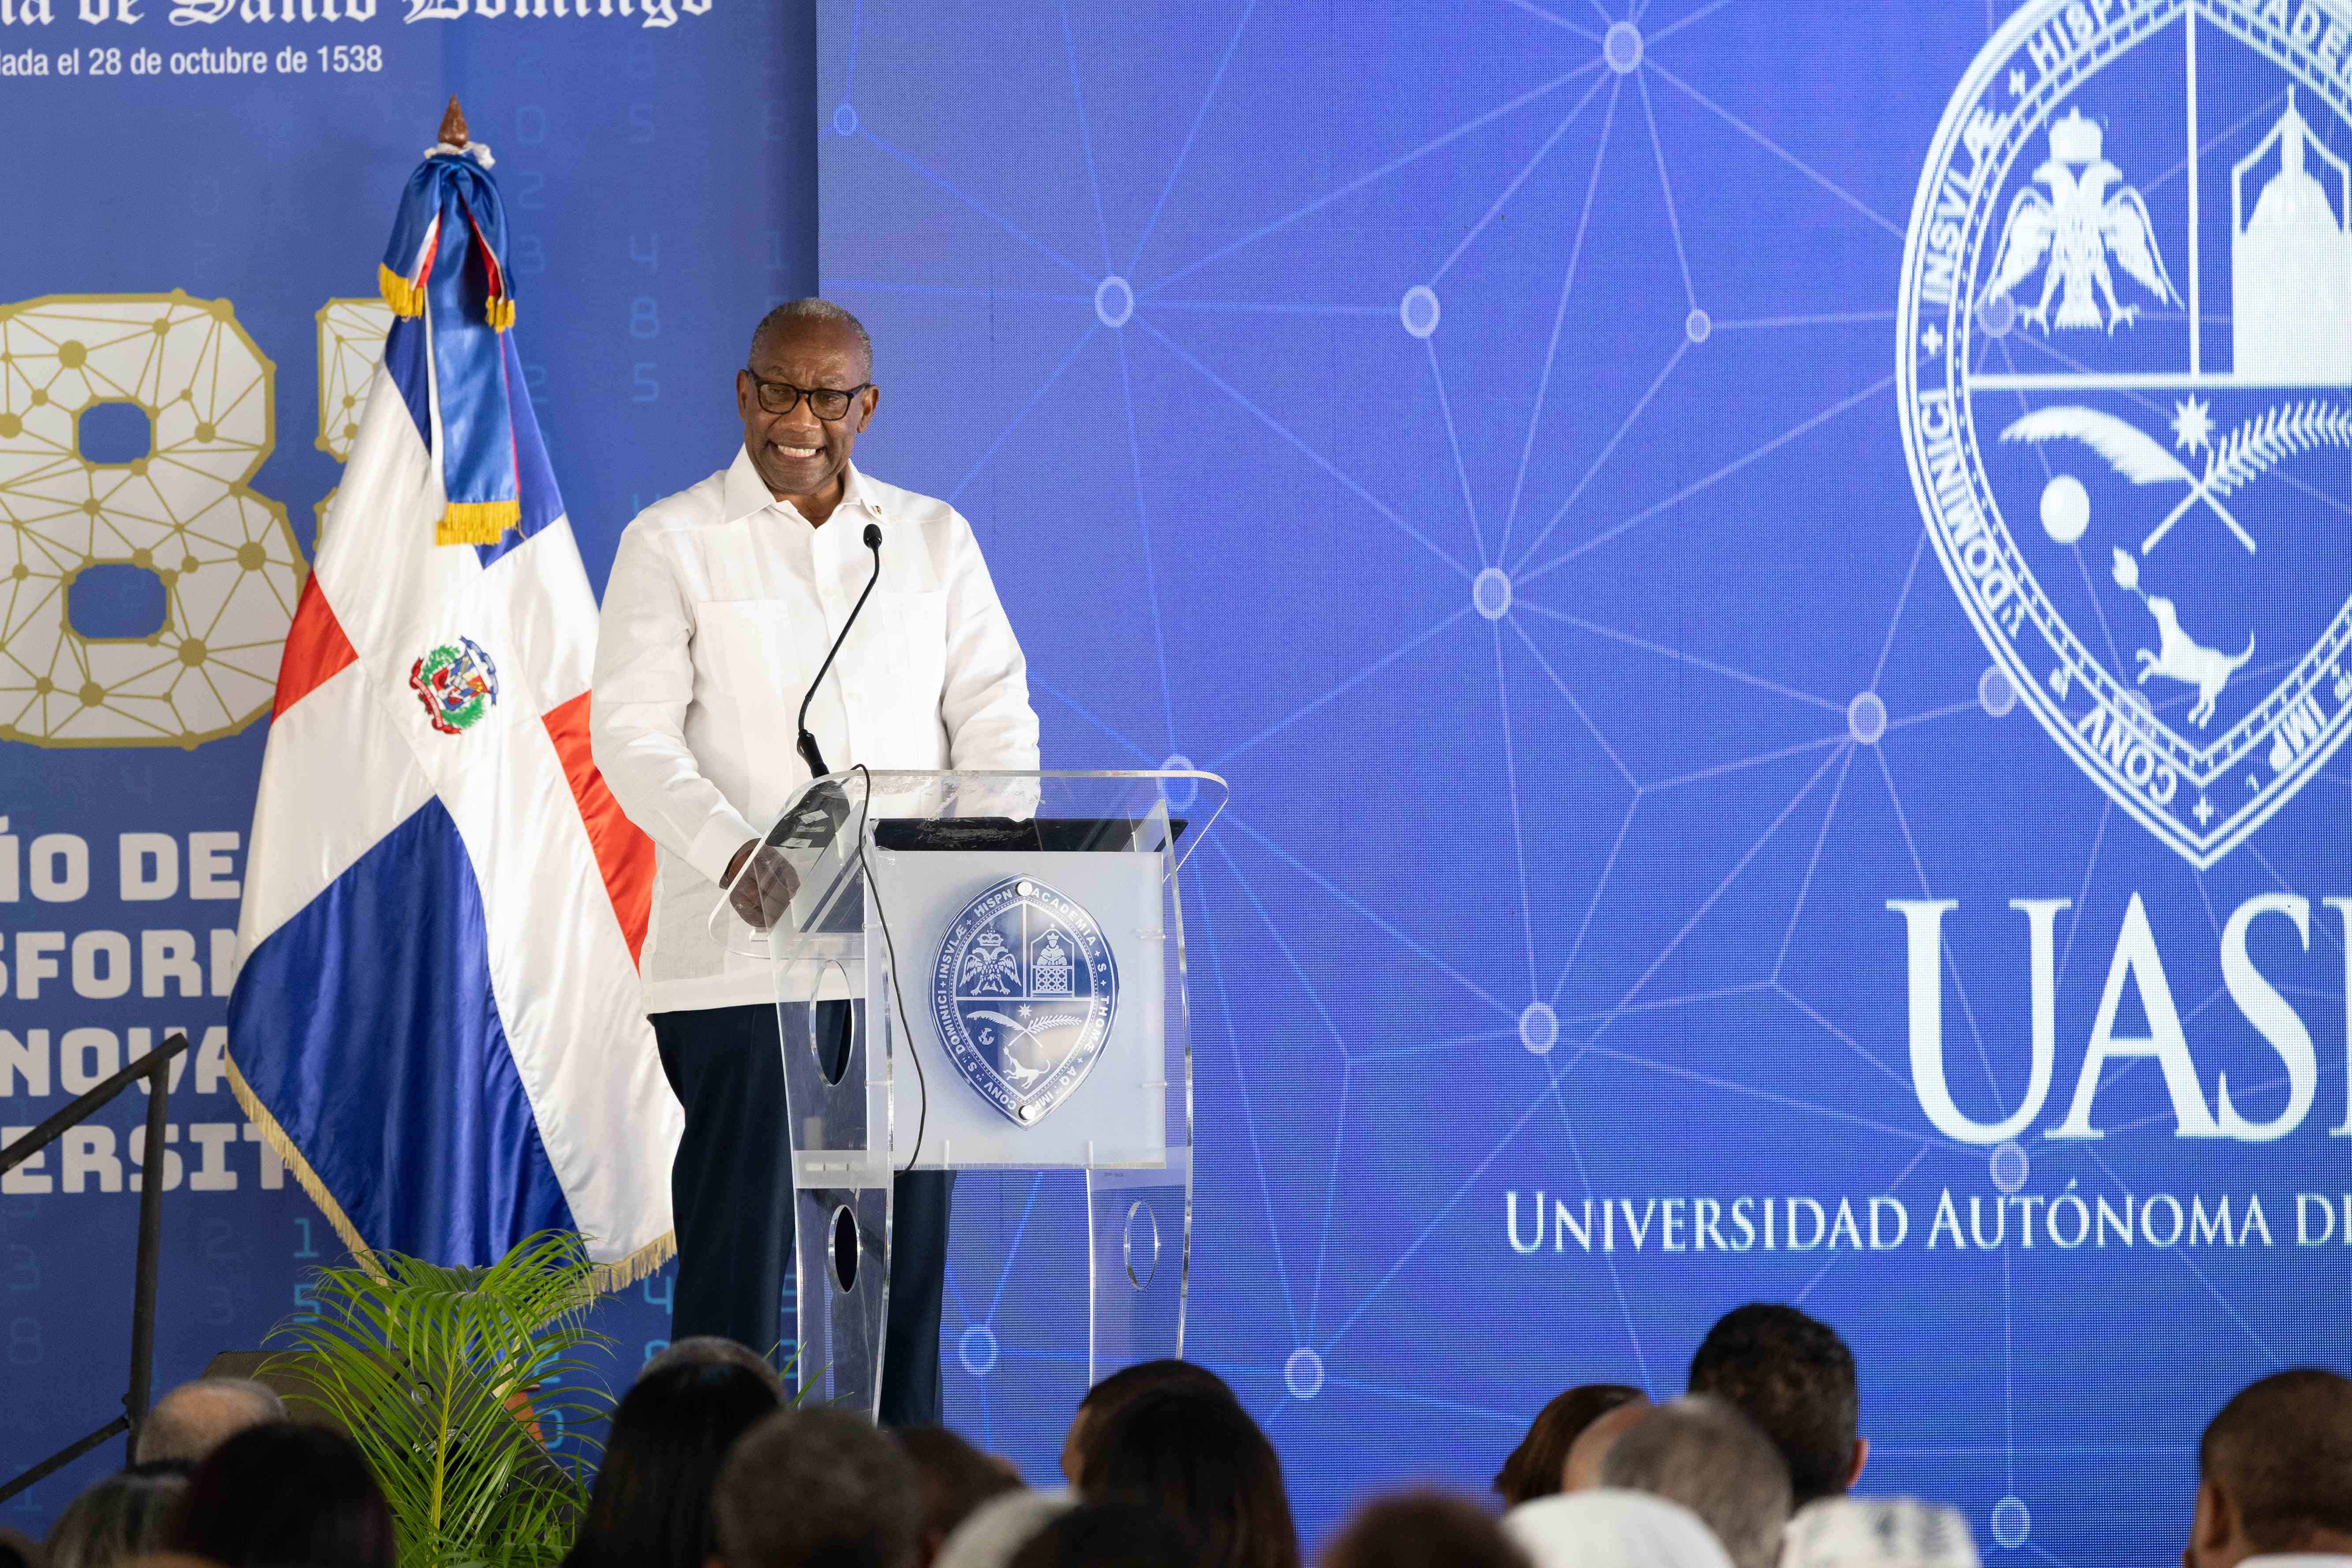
[
  {"x": 1708, "y": 1457},
  {"x": 18, "y": 1549},
  {"x": 1109, "y": 1396},
  {"x": 196, "y": 1417},
  {"x": 1879, "y": 1532},
  {"x": 1536, "y": 1466},
  {"x": 1108, "y": 1535},
  {"x": 1196, "y": 1455},
  {"x": 999, "y": 1528},
  {"x": 650, "y": 1507},
  {"x": 279, "y": 1494},
  {"x": 124, "y": 1516},
  {"x": 1605, "y": 1529},
  {"x": 1422, "y": 1530},
  {"x": 1793, "y": 1377},
  {"x": 2274, "y": 1472},
  {"x": 713, "y": 1350},
  {"x": 816, "y": 1489},
  {"x": 1590, "y": 1449},
  {"x": 952, "y": 1479}
]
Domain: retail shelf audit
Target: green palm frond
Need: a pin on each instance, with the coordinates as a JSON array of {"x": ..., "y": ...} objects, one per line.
[{"x": 439, "y": 1375}]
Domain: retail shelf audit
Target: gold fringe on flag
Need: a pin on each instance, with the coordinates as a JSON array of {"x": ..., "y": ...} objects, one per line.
[
  {"x": 642, "y": 1264},
  {"x": 501, "y": 311},
  {"x": 477, "y": 521},
  {"x": 274, "y": 1136},
  {"x": 603, "y": 1278},
  {"x": 404, "y": 298}
]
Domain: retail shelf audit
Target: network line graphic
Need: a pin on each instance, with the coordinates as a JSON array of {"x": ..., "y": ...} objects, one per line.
[{"x": 1476, "y": 440}]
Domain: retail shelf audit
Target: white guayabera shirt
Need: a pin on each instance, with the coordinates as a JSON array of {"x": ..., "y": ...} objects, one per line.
[{"x": 720, "y": 606}]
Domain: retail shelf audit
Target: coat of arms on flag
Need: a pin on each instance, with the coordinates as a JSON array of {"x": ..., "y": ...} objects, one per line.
[
  {"x": 457, "y": 684},
  {"x": 436, "y": 1018}
]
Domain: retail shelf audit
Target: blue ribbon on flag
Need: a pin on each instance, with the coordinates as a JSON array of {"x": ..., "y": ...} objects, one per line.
[{"x": 445, "y": 264}]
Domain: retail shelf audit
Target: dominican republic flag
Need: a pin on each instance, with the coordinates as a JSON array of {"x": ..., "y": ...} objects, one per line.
[{"x": 436, "y": 1019}]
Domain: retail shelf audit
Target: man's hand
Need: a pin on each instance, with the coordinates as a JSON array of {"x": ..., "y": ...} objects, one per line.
[{"x": 761, "y": 893}]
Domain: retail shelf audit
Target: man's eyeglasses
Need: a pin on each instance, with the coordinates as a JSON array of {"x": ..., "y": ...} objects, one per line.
[{"x": 826, "y": 403}]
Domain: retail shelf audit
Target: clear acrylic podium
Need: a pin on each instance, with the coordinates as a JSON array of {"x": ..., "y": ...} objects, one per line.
[{"x": 1003, "y": 955}]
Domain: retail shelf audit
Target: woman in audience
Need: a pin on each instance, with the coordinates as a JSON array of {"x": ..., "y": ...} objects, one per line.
[
  {"x": 1609, "y": 1529},
  {"x": 1535, "y": 1466},
  {"x": 1108, "y": 1397},
  {"x": 651, "y": 1505},
  {"x": 278, "y": 1494},
  {"x": 1197, "y": 1457},
  {"x": 1422, "y": 1530},
  {"x": 124, "y": 1516}
]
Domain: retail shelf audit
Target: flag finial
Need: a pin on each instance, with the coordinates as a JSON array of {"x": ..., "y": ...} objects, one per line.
[{"x": 452, "y": 124}]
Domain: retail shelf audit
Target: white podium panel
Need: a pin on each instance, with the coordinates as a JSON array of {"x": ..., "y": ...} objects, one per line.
[{"x": 983, "y": 972}]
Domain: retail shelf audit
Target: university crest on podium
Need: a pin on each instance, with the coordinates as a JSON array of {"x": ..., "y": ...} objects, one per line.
[
  {"x": 1023, "y": 994},
  {"x": 2125, "y": 357}
]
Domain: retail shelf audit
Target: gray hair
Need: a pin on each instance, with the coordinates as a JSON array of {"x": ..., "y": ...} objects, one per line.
[
  {"x": 794, "y": 311},
  {"x": 196, "y": 1417},
  {"x": 124, "y": 1516},
  {"x": 1704, "y": 1454},
  {"x": 816, "y": 1489}
]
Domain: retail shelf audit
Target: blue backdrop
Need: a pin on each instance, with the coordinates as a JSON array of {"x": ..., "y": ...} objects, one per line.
[
  {"x": 660, "y": 189},
  {"x": 1480, "y": 433},
  {"x": 1662, "y": 515}
]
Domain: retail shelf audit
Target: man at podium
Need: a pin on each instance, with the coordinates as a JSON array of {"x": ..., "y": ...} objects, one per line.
[{"x": 723, "y": 602}]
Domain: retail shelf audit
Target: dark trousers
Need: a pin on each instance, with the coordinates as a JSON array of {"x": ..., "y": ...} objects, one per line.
[{"x": 732, "y": 1192}]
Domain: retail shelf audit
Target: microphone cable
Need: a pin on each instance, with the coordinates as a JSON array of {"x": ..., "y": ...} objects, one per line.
[
  {"x": 805, "y": 743},
  {"x": 898, "y": 994}
]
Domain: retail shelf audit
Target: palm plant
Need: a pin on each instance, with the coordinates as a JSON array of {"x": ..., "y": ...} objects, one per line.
[{"x": 444, "y": 1377}]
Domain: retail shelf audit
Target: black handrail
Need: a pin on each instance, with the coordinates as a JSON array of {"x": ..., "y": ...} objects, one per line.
[{"x": 156, "y": 1068}]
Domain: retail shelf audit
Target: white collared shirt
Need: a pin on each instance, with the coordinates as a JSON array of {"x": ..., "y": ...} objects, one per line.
[{"x": 721, "y": 605}]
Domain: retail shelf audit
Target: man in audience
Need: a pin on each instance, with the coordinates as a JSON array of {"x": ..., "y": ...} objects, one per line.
[
  {"x": 1001, "y": 1527},
  {"x": 1582, "y": 1472},
  {"x": 1701, "y": 1453},
  {"x": 2275, "y": 1475},
  {"x": 816, "y": 1489},
  {"x": 1793, "y": 1377},
  {"x": 953, "y": 1479},
  {"x": 1122, "y": 1388},
  {"x": 1878, "y": 1532},
  {"x": 1606, "y": 1528},
  {"x": 196, "y": 1417}
]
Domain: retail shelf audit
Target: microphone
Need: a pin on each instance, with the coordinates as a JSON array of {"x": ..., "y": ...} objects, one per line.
[{"x": 806, "y": 745}]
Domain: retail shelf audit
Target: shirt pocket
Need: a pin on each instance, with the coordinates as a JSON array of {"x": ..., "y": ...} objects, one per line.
[
  {"x": 747, "y": 665},
  {"x": 913, "y": 659}
]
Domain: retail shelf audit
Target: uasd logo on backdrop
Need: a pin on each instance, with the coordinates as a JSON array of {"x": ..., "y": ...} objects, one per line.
[
  {"x": 2124, "y": 355},
  {"x": 2127, "y": 398}
]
